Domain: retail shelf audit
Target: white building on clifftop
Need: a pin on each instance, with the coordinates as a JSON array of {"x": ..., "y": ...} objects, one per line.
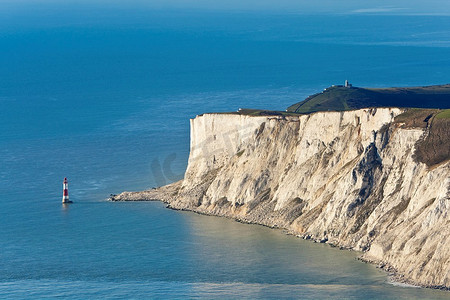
[{"x": 347, "y": 84}]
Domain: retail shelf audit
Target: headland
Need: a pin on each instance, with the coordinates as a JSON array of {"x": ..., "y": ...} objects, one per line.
[{"x": 373, "y": 179}]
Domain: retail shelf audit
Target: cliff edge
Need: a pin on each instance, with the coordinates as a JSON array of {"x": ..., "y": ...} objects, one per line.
[{"x": 353, "y": 179}]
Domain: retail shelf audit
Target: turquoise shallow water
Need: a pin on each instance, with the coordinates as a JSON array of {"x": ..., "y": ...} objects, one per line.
[
  {"x": 121, "y": 250},
  {"x": 104, "y": 97}
]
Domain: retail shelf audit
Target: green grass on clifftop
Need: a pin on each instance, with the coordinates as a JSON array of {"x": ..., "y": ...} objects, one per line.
[
  {"x": 260, "y": 112},
  {"x": 339, "y": 98},
  {"x": 445, "y": 114}
]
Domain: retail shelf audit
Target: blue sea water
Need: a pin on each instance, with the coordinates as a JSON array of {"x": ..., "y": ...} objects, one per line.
[{"x": 104, "y": 97}]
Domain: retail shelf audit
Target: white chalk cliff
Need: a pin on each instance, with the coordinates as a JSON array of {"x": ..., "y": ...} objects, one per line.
[{"x": 345, "y": 178}]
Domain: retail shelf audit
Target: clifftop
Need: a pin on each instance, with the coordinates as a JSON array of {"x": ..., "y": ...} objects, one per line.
[
  {"x": 339, "y": 98},
  {"x": 344, "y": 98},
  {"x": 430, "y": 111}
]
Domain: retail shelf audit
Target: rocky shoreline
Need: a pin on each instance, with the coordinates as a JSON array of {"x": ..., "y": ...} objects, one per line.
[{"x": 164, "y": 194}]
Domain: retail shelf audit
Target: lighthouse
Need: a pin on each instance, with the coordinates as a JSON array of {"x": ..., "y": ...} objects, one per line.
[{"x": 65, "y": 198}]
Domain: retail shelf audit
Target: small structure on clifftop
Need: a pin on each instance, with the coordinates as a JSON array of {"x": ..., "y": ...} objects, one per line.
[{"x": 347, "y": 84}]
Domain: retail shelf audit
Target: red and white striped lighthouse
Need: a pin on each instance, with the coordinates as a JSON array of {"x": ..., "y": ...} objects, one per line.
[{"x": 65, "y": 198}]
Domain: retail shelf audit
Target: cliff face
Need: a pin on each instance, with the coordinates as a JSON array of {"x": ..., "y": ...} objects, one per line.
[{"x": 345, "y": 178}]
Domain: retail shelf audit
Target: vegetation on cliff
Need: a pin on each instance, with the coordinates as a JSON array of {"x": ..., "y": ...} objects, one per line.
[
  {"x": 339, "y": 98},
  {"x": 260, "y": 112},
  {"x": 434, "y": 146}
]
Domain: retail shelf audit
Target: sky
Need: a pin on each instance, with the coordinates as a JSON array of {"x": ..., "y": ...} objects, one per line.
[{"x": 440, "y": 7}]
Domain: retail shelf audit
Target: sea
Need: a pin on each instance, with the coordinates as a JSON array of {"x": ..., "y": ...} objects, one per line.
[{"x": 103, "y": 95}]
